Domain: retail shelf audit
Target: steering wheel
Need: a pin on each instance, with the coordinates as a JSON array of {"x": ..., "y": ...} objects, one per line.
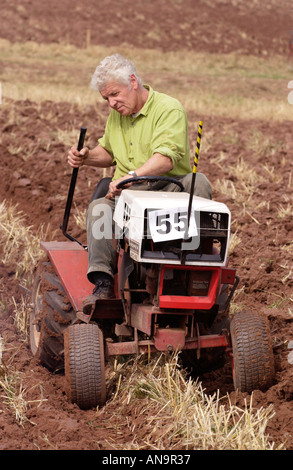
[{"x": 140, "y": 179}]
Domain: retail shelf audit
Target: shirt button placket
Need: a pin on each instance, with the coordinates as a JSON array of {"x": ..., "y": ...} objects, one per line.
[{"x": 130, "y": 156}]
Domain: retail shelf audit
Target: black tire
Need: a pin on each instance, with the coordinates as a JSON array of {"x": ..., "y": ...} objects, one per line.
[
  {"x": 51, "y": 314},
  {"x": 85, "y": 365},
  {"x": 253, "y": 358}
]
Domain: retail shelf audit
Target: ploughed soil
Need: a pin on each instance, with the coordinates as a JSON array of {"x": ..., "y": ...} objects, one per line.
[{"x": 37, "y": 178}]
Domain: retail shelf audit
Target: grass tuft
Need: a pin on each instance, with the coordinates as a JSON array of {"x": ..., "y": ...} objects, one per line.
[
  {"x": 14, "y": 395},
  {"x": 177, "y": 413},
  {"x": 20, "y": 246}
]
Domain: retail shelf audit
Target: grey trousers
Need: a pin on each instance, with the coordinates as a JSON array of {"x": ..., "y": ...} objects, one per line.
[{"x": 102, "y": 254}]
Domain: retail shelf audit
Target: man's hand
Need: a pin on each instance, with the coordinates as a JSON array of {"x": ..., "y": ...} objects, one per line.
[
  {"x": 75, "y": 158},
  {"x": 113, "y": 191}
]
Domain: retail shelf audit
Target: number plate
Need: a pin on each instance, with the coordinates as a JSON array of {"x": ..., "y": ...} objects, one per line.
[{"x": 171, "y": 224}]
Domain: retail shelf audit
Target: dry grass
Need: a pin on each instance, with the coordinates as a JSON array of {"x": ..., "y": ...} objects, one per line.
[
  {"x": 14, "y": 394},
  {"x": 80, "y": 218},
  {"x": 20, "y": 245},
  {"x": 21, "y": 251},
  {"x": 21, "y": 311},
  {"x": 177, "y": 414},
  {"x": 233, "y": 242},
  {"x": 202, "y": 82},
  {"x": 242, "y": 180}
]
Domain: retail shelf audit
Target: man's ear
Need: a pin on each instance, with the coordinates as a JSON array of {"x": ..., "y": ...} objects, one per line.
[{"x": 133, "y": 82}]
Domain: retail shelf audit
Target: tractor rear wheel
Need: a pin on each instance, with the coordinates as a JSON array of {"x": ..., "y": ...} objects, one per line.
[
  {"x": 85, "y": 365},
  {"x": 51, "y": 314},
  {"x": 253, "y": 359}
]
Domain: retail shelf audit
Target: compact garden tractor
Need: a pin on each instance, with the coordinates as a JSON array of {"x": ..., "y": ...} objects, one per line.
[{"x": 173, "y": 289}]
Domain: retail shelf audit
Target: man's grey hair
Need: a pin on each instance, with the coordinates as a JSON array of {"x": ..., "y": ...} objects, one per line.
[{"x": 113, "y": 68}]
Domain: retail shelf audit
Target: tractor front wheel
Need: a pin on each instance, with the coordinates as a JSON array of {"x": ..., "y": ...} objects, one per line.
[
  {"x": 253, "y": 359},
  {"x": 85, "y": 365}
]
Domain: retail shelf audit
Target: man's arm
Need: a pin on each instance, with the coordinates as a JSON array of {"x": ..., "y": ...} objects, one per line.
[
  {"x": 98, "y": 157},
  {"x": 158, "y": 164}
]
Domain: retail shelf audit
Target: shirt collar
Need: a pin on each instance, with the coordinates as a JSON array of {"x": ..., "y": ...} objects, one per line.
[{"x": 145, "y": 109}]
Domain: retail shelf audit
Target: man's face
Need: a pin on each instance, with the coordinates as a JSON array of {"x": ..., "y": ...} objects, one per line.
[{"x": 122, "y": 98}]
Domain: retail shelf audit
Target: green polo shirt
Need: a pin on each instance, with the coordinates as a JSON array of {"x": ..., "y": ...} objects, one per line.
[{"x": 160, "y": 126}]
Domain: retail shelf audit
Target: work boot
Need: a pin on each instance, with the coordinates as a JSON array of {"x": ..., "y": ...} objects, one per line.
[{"x": 103, "y": 290}]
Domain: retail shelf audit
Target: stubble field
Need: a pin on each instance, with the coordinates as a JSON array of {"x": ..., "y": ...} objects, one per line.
[{"x": 227, "y": 63}]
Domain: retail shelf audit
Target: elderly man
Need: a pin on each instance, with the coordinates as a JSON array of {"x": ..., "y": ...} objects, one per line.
[{"x": 146, "y": 135}]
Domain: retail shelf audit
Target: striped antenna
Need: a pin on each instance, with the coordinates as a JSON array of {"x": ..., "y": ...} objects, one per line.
[
  {"x": 197, "y": 147},
  {"x": 195, "y": 163}
]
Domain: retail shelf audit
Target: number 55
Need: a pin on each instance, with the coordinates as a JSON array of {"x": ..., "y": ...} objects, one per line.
[
  {"x": 162, "y": 219},
  {"x": 180, "y": 219}
]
